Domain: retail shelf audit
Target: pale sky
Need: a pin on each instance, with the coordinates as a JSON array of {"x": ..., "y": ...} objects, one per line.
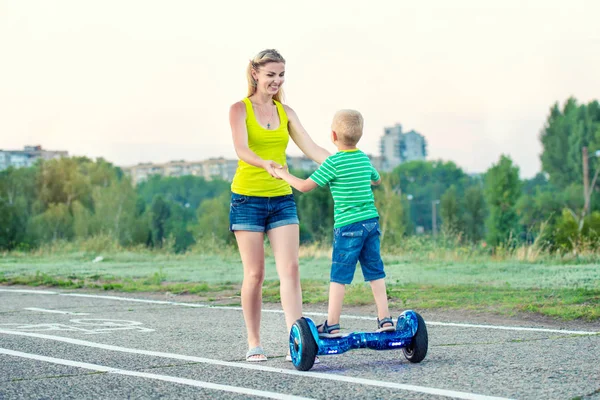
[{"x": 152, "y": 81}]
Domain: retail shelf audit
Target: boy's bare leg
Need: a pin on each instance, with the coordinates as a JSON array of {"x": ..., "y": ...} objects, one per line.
[
  {"x": 336, "y": 300},
  {"x": 380, "y": 295}
]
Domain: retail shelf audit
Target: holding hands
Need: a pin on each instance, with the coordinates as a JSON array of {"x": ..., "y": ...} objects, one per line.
[
  {"x": 275, "y": 170},
  {"x": 281, "y": 172},
  {"x": 271, "y": 166}
]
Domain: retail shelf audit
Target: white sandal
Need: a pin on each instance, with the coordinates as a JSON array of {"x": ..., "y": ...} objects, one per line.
[{"x": 251, "y": 355}]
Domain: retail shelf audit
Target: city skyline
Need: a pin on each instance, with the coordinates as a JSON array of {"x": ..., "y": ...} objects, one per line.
[{"x": 137, "y": 82}]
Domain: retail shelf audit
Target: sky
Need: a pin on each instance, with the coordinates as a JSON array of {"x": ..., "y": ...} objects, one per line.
[{"x": 152, "y": 81}]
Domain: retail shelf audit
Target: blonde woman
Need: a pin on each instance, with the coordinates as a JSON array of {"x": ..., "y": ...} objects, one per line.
[{"x": 261, "y": 203}]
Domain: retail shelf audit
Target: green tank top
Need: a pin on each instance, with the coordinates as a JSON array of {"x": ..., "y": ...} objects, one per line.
[{"x": 268, "y": 144}]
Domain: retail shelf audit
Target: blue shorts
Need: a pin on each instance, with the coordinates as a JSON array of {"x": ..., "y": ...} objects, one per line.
[
  {"x": 357, "y": 242},
  {"x": 261, "y": 214}
]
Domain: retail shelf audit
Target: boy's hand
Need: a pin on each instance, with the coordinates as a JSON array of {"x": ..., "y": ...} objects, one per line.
[
  {"x": 277, "y": 171},
  {"x": 303, "y": 185},
  {"x": 271, "y": 166},
  {"x": 281, "y": 172}
]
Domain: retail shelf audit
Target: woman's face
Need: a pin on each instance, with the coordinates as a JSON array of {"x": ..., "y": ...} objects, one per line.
[{"x": 269, "y": 77}]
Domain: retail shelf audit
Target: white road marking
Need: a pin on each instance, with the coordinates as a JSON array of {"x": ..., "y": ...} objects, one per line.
[
  {"x": 130, "y": 299},
  {"x": 253, "y": 366},
  {"x": 513, "y": 328},
  {"x": 461, "y": 325},
  {"x": 55, "y": 311},
  {"x": 320, "y": 314},
  {"x": 28, "y": 291},
  {"x": 166, "y": 378},
  {"x": 357, "y": 317}
]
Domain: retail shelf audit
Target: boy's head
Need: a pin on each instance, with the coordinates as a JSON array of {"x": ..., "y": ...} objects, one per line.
[{"x": 347, "y": 125}]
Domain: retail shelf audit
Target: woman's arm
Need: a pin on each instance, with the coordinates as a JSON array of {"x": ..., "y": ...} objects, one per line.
[
  {"x": 303, "y": 140},
  {"x": 239, "y": 132}
]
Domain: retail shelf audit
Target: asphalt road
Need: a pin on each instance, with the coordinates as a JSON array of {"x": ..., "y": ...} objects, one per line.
[{"x": 58, "y": 344}]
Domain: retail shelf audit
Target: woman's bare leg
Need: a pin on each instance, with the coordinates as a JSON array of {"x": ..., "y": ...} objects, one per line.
[
  {"x": 285, "y": 242},
  {"x": 252, "y": 252}
]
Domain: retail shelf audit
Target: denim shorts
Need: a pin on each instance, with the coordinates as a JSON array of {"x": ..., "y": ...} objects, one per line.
[
  {"x": 261, "y": 214},
  {"x": 357, "y": 242}
]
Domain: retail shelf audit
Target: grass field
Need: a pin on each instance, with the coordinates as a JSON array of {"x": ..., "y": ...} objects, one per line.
[{"x": 552, "y": 287}]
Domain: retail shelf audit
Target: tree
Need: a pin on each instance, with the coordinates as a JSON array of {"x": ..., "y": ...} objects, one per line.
[
  {"x": 213, "y": 220},
  {"x": 427, "y": 181},
  {"x": 451, "y": 212},
  {"x": 538, "y": 183},
  {"x": 178, "y": 226},
  {"x": 189, "y": 191},
  {"x": 83, "y": 220},
  {"x": 61, "y": 181},
  {"x": 53, "y": 224},
  {"x": 538, "y": 211},
  {"x": 539, "y": 207},
  {"x": 502, "y": 190},
  {"x": 315, "y": 212},
  {"x": 391, "y": 211},
  {"x": 474, "y": 213},
  {"x": 565, "y": 133},
  {"x": 159, "y": 214},
  {"x": 17, "y": 196},
  {"x": 115, "y": 210}
]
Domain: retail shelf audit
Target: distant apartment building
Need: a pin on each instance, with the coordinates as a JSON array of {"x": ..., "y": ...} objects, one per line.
[
  {"x": 377, "y": 161},
  {"x": 214, "y": 168},
  {"x": 306, "y": 164},
  {"x": 398, "y": 147},
  {"x": 27, "y": 157},
  {"x": 302, "y": 163}
]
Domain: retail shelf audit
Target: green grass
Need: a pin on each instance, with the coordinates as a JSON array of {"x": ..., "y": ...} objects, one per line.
[
  {"x": 216, "y": 269},
  {"x": 480, "y": 284},
  {"x": 150, "y": 284}
]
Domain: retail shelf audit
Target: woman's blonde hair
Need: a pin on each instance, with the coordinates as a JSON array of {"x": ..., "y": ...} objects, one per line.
[{"x": 261, "y": 59}]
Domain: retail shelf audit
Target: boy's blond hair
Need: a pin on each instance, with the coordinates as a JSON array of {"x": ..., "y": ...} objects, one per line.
[{"x": 348, "y": 125}]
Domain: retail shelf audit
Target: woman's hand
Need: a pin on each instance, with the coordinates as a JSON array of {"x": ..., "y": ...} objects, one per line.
[{"x": 270, "y": 166}]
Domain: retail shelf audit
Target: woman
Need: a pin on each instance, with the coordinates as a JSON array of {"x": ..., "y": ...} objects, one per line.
[{"x": 261, "y": 202}]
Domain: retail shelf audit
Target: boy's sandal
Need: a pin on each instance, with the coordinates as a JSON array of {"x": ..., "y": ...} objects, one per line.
[
  {"x": 326, "y": 330},
  {"x": 256, "y": 354},
  {"x": 385, "y": 325}
]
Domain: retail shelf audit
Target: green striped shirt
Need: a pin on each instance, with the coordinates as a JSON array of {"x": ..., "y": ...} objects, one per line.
[{"x": 349, "y": 174}]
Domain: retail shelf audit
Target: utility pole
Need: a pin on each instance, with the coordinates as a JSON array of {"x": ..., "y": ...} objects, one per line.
[
  {"x": 434, "y": 217},
  {"x": 586, "y": 182},
  {"x": 587, "y": 188}
]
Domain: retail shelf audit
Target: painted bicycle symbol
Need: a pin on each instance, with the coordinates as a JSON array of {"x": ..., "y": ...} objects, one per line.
[{"x": 85, "y": 326}]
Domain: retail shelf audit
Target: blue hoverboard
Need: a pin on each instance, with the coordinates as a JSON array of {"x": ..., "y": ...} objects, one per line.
[{"x": 410, "y": 336}]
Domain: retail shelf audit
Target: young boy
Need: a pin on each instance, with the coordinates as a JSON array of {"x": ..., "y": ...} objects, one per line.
[{"x": 350, "y": 175}]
